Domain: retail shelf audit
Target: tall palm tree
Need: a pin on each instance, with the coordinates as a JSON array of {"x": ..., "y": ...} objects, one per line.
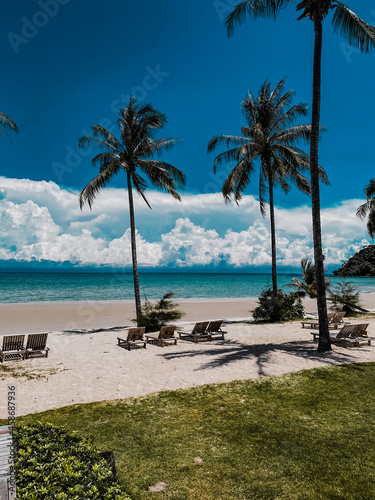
[
  {"x": 267, "y": 138},
  {"x": 134, "y": 154},
  {"x": 7, "y": 124},
  {"x": 368, "y": 208},
  {"x": 360, "y": 35}
]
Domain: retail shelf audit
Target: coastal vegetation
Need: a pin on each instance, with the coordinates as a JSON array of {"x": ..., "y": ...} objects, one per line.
[
  {"x": 304, "y": 435},
  {"x": 307, "y": 283},
  {"x": 360, "y": 35},
  {"x": 345, "y": 297},
  {"x": 362, "y": 263},
  {"x": 7, "y": 123},
  {"x": 368, "y": 208},
  {"x": 134, "y": 154},
  {"x": 269, "y": 139},
  {"x": 278, "y": 307},
  {"x": 163, "y": 312}
]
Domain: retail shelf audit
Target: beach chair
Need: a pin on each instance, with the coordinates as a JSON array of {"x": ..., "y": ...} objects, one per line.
[
  {"x": 36, "y": 346},
  {"x": 214, "y": 330},
  {"x": 314, "y": 324},
  {"x": 338, "y": 320},
  {"x": 13, "y": 348},
  {"x": 352, "y": 336},
  {"x": 135, "y": 338},
  {"x": 166, "y": 336},
  {"x": 198, "y": 332}
]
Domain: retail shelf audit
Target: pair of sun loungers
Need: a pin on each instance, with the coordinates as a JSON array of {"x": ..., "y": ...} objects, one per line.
[
  {"x": 14, "y": 347},
  {"x": 350, "y": 336},
  {"x": 207, "y": 330},
  {"x": 334, "y": 321}
]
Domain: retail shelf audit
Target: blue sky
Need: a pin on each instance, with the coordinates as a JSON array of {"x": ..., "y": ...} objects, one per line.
[{"x": 69, "y": 64}]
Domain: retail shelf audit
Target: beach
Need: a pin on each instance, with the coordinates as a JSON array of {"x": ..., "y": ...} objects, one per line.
[{"x": 85, "y": 363}]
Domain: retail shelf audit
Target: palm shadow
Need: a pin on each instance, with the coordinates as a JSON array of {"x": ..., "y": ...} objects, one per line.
[
  {"x": 233, "y": 351},
  {"x": 89, "y": 331}
]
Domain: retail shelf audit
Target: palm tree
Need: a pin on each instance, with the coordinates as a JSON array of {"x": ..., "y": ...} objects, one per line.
[
  {"x": 368, "y": 208},
  {"x": 360, "y": 35},
  {"x": 308, "y": 282},
  {"x": 133, "y": 153},
  {"x": 7, "y": 123},
  {"x": 268, "y": 139}
]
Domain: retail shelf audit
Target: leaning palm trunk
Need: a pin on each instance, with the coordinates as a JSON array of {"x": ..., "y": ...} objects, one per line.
[
  {"x": 273, "y": 236},
  {"x": 324, "y": 338},
  {"x": 138, "y": 308}
]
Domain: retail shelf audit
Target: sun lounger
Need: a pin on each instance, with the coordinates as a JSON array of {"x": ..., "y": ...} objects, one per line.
[
  {"x": 166, "y": 336},
  {"x": 13, "y": 348},
  {"x": 198, "y": 332},
  {"x": 36, "y": 345},
  {"x": 214, "y": 330},
  {"x": 134, "y": 338},
  {"x": 314, "y": 324},
  {"x": 334, "y": 321},
  {"x": 352, "y": 336}
]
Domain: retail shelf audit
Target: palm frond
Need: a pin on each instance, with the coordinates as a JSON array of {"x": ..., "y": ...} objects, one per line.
[
  {"x": 371, "y": 224},
  {"x": 7, "y": 123},
  {"x": 370, "y": 189},
  {"x": 235, "y": 140},
  {"x": 353, "y": 28},
  {"x": 140, "y": 185},
  {"x": 88, "y": 193},
  {"x": 237, "y": 180}
]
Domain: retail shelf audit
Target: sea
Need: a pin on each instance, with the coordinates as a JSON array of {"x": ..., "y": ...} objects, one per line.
[{"x": 24, "y": 287}]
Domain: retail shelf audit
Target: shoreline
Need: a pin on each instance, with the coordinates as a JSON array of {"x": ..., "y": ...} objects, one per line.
[{"x": 34, "y": 317}]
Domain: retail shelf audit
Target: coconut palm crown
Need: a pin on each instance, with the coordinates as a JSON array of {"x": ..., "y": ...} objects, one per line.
[
  {"x": 360, "y": 35},
  {"x": 7, "y": 124},
  {"x": 368, "y": 208},
  {"x": 269, "y": 139},
  {"x": 134, "y": 153}
]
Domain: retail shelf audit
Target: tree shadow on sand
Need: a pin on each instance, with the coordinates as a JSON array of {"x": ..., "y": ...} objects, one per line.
[
  {"x": 233, "y": 351},
  {"x": 89, "y": 331}
]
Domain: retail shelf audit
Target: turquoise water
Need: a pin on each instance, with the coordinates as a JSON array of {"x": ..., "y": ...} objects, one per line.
[{"x": 40, "y": 287}]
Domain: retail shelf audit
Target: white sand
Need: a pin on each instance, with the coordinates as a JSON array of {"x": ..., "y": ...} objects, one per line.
[{"x": 86, "y": 365}]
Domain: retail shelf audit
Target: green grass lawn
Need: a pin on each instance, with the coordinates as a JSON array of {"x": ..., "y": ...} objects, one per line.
[{"x": 306, "y": 435}]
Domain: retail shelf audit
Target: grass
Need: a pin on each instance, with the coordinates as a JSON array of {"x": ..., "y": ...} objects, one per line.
[
  {"x": 17, "y": 371},
  {"x": 307, "y": 435}
]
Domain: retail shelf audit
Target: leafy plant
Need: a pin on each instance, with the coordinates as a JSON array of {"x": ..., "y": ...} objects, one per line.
[
  {"x": 164, "y": 311},
  {"x": 345, "y": 297},
  {"x": 307, "y": 285},
  {"x": 279, "y": 307},
  {"x": 55, "y": 465}
]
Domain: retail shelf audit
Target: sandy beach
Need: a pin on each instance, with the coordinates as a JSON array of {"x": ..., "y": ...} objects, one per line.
[{"x": 85, "y": 364}]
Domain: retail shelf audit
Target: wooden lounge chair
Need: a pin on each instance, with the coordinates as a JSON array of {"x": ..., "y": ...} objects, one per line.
[
  {"x": 352, "y": 336},
  {"x": 36, "y": 346},
  {"x": 338, "y": 321},
  {"x": 314, "y": 324},
  {"x": 166, "y": 336},
  {"x": 214, "y": 330},
  {"x": 13, "y": 348},
  {"x": 198, "y": 332},
  {"x": 134, "y": 338}
]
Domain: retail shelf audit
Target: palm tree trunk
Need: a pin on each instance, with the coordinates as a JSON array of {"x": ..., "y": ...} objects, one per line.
[
  {"x": 273, "y": 235},
  {"x": 137, "y": 295},
  {"x": 324, "y": 339}
]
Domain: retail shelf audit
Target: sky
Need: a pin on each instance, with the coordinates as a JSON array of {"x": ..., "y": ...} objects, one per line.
[{"x": 69, "y": 64}]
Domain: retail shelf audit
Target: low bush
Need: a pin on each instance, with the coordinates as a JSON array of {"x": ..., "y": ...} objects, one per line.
[
  {"x": 163, "y": 312},
  {"x": 281, "y": 307},
  {"x": 55, "y": 465}
]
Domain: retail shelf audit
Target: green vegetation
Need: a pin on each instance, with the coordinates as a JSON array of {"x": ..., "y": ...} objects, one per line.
[
  {"x": 304, "y": 436},
  {"x": 7, "y": 124},
  {"x": 345, "y": 297},
  {"x": 307, "y": 285},
  {"x": 368, "y": 208},
  {"x": 133, "y": 154},
  {"x": 55, "y": 465},
  {"x": 163, "y": 312},
  {"x": 280, "y": 307},
  {"x": 361, "y": 264}
]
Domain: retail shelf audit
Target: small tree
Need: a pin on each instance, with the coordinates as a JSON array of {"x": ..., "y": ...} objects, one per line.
[
  {"x": 164, "y": 311},
  {"x": 279, "y": 307},
  {"x": 345, "y": 297},
  {"x": 307, "y": 285}
]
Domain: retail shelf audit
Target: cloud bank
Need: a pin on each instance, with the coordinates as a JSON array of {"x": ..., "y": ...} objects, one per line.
[{"x": 41, "y": 222}]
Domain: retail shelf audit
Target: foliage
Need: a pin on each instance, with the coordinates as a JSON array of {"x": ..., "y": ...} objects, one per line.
[
  {"x": 7, "y": 123},
  {"x": 344, "y": 297},
  {"x": 55, "y": 465},
  {"x": 161, "y": 313},
  {"x": 279, "y": 307},
  {"x": 368, "y": 208},
  {"x": 288, "y": 437},
  {"x": 307, "y": 284},
  {"x": 360, "y": 264}
]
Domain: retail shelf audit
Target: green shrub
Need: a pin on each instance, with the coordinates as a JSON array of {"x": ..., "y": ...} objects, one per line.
[
  {"x": 282, "y": 307},
  {"x": 345, "y": 297},
  {"x": 52, "y": 464},
  {"x": 163, "y": 312}
]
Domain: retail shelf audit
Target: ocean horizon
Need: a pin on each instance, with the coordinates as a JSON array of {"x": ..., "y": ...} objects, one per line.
[{"x": 17, "y": 287}]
